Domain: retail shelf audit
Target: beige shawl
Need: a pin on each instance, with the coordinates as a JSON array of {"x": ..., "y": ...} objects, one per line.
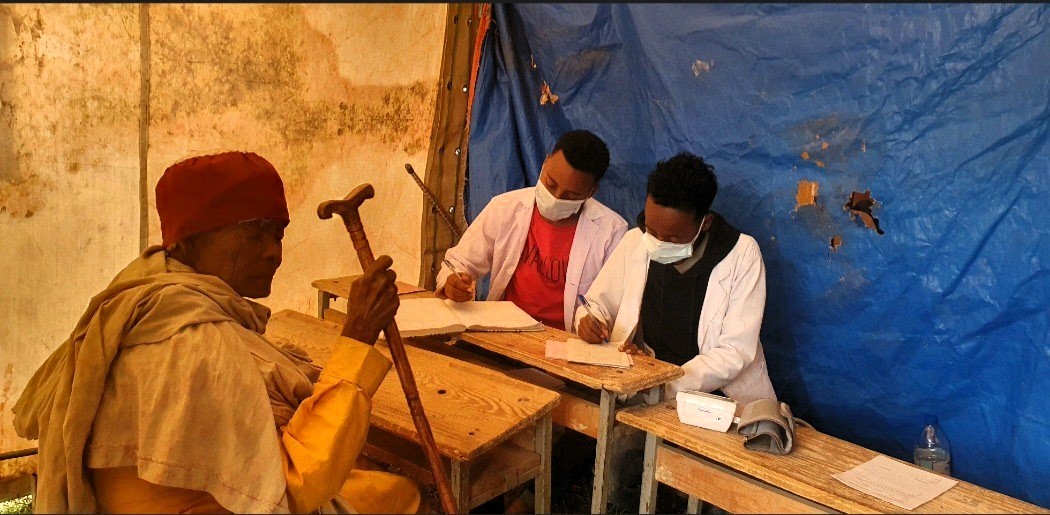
[{"x": 211, "y": 431}]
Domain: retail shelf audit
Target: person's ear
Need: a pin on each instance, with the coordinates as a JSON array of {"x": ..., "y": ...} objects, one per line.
[
  {"x": 705, "y": 224},
  {"x": 186, "y": 250}
]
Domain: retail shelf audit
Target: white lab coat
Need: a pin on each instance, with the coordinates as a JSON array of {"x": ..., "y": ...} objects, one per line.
[
  {"x": 729, "y": 355},
  {"x": 493, "y": 244}
]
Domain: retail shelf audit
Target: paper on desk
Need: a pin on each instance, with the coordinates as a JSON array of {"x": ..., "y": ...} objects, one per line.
[
  {"x": 555, "y": 349},
  {"x": 895, "y": 482},
  {"x": 579, "y": 351}
]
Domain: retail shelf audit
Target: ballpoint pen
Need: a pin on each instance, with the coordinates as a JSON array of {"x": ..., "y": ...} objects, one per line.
[
  {"x": 457, "y": 272},
  {"x": 587, "y": 307}
]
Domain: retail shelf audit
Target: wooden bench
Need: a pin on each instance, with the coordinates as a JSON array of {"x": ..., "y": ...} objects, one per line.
[
  {"x": 494, "y": 431},
  {"x": 714, "y": 467}
]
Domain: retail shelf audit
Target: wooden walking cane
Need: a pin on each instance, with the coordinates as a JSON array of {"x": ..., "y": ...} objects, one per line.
[{"x": 347, "y": 209}]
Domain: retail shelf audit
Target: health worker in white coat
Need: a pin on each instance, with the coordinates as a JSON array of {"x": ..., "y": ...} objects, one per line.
[
  {"x": 542, "y": 245},
  {"x": 685, "y": 287}
]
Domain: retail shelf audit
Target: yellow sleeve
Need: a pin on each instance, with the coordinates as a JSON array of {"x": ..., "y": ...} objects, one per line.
[{"x": 322, "y": 440}]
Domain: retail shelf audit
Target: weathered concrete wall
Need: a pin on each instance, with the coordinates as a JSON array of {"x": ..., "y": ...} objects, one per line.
[
  {"x": 333, "y": 95},
  {"x": 68, "y": 175}
]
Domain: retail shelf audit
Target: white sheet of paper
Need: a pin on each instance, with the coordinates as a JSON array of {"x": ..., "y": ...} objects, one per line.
[
  {"x": 555, "y": 349},
  {"x": 579, "y": 351},
  {"x": 605, "y": 355},
  {"x": 895, "y": 482}
]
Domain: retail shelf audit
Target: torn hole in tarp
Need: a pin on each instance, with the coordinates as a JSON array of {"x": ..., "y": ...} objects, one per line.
[
  {"x": 546, "y": 95},
  {"x": 701, "y": 66},
  {"x": 806, "y": 194},
  {"x": 861, "y": 205},
  {"x": 836, "y": 242}
]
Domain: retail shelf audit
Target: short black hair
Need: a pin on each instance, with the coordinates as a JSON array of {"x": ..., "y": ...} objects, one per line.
[
  {"x": 684, "y": 182},
  {"x": 584, "y": 151}
]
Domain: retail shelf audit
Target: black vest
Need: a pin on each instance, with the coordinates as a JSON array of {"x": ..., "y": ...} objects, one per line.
[{"x": 672, "y": 301}]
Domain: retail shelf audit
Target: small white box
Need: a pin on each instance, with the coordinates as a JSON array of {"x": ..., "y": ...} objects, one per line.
[{"x": 705, "y": 410}]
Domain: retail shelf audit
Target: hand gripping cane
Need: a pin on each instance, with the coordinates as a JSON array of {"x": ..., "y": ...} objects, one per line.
[{"x": 347, "y": 209}]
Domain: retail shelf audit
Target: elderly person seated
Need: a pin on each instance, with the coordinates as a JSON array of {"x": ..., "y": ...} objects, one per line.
[{"x": 168, "y": 398}]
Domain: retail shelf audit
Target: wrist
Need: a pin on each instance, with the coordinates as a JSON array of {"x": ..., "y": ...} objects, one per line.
[{"x": 357, "y": 331}]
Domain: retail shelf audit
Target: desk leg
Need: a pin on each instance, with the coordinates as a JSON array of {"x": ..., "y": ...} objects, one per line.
[
  {"x": 606, "y": 420},
  {"x": 33, "y": 504},
  {"x": 461, "y": 485},
  {"x": 652, "y": 395},
  {"x": 542, "y": 484},
  {"x": 648, "y": 502},
  {"x": 694, "y": 505},
  {"x": 324, "y": 300}
]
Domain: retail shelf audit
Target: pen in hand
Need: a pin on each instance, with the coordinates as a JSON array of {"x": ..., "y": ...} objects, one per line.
[
  {"x": 587, "y": 307},
  {"x": 456, "y": 271}
]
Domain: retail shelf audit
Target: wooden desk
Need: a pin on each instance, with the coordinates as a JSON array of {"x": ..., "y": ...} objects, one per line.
[
  {"x": 716, "y": 468},
  {"x": 473, "y": 412},
  {"x": 328, "y": 289},
  {"x": 597, "y": 421},
  {"x": 646, "y": 376}
]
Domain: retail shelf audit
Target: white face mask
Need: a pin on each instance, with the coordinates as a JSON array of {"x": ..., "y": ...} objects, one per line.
[
  {"x": 553, "y": 208},
  {"x": 664, "y": 252}
]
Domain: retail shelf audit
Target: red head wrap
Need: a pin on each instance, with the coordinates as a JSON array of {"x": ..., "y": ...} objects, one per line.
[{"x": 208, "y": 192}]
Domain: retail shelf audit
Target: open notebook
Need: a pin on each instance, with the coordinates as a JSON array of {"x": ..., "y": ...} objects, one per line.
[{"x": 422, "y": 317}]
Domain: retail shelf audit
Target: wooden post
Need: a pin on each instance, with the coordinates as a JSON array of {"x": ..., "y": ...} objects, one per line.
[
  {"x": 460, "y": 471},
  {"x": 652, "y": 395},
  {"x": 324, "y": 300},
  {"x": 606, "y": 420},
  {"x": 648, "y": 500},
  {"x": 446, "y": 170},
  {"x": 544, "y": 434},
  {"x": 695, "y": 505}
]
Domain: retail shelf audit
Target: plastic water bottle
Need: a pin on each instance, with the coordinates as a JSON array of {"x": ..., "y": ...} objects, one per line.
[{"x": 933, "y": 451}]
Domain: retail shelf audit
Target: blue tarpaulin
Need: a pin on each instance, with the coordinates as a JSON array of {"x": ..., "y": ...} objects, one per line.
[{"x": 941, "y": 111}]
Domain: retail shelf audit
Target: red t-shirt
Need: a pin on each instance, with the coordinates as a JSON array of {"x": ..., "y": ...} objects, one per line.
[{"x": 538, "y": 284}]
